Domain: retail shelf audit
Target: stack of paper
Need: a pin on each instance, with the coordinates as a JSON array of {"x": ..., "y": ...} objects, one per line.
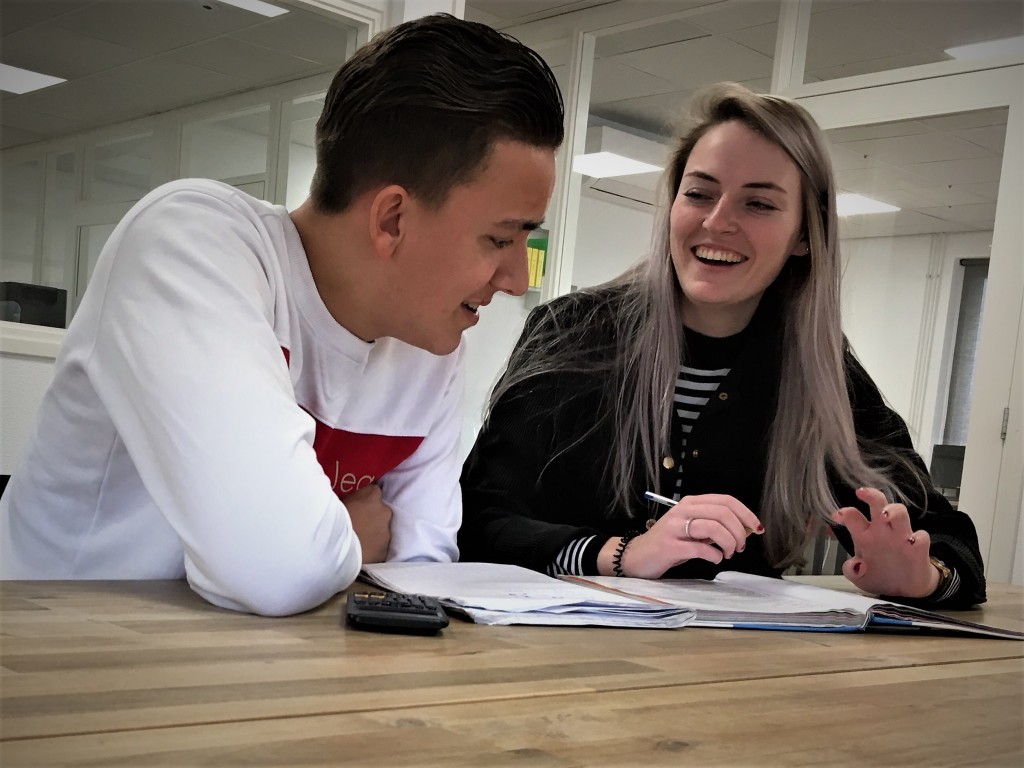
[
  {"x": 490, "y": 593},
  {"x": 743, "y": 600}
]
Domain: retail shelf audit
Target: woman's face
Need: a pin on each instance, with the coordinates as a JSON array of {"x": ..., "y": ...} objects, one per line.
[{"x": 735, "y": 220}]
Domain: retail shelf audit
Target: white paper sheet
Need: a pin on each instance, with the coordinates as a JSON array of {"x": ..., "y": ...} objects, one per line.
[{"x": 493, "y": 593}]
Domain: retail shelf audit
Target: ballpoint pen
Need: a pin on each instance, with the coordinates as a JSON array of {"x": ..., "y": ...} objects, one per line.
[{"x": 669, "y": 503}]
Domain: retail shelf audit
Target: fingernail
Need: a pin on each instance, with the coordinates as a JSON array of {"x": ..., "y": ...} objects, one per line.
[{"x": 760, "y": 528}]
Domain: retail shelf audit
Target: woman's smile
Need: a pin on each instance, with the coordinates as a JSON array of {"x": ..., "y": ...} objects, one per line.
[{"x": 717, "y": 256}]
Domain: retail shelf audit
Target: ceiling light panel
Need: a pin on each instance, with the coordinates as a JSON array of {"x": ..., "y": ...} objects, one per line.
[
  {"x": 256, "y": 6},
  {"x": 602, "y": 165},
  {"x": 855, "y": 205},
  {"x": 15, "y": 80},
  {"x": 1008, "y": 46}
]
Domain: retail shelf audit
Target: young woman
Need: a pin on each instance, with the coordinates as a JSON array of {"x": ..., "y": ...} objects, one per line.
[{"x": 716, "y": 373}]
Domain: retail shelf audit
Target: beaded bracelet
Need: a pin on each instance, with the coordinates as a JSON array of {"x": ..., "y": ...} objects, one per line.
[{"x": 620, "y": 551}]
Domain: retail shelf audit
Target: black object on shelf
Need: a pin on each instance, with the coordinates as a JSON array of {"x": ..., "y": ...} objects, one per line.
[
  {"x": 947, "y": 466},
  {"x": 34, "y": 304}
]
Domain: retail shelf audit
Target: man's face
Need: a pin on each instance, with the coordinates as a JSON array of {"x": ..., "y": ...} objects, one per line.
[{"x": 453, "y": 260}]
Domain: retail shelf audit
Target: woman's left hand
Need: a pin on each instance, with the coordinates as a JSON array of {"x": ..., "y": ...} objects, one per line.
[{"x": 889, "y": 558}]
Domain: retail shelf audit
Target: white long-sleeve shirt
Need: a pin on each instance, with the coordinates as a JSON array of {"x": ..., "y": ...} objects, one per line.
[{"x": 208, "y": 415}]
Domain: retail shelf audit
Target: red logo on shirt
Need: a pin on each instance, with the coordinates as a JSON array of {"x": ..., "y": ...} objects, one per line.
[{"x": 352, "y": 460}]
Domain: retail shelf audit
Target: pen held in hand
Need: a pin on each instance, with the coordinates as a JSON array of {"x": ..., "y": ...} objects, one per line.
[{"x": 669, "y": 503}]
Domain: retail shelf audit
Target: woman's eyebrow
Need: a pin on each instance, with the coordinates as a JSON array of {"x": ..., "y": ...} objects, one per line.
[
  {"x": 764, "y": 185},
  {"x": 751, "y": 185}
]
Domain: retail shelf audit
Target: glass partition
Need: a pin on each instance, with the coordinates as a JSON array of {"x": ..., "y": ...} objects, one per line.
[
  {"x": 230, "y": 148},
  {"x": 303, "y": 114},
  {"x": 120, "y": 170},
  {"x": 91, "y": 239},
  {"x": 21, "y": 187},
  {"x": 58, "y": 233}
]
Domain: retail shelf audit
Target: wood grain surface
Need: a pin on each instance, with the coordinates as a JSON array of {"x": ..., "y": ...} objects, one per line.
[{"x": 146, "y": 673}]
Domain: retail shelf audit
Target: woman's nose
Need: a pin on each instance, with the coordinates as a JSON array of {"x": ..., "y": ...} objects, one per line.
[{"x": 720, "y": 218}]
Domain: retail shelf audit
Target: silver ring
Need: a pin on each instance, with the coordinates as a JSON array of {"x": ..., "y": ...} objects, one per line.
[{"x": 686, "y": 531}]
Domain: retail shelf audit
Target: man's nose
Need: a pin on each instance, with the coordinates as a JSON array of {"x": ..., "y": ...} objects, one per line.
[{"x": 513, "y": 274}]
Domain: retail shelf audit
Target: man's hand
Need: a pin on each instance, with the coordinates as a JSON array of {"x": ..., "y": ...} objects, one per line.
[
  {"x": 371, "y": 520},
  {"x": 890, "y": 558}
]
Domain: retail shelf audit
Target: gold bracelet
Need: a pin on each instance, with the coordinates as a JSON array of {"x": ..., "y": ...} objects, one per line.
[{"x": 945, "y": 574}]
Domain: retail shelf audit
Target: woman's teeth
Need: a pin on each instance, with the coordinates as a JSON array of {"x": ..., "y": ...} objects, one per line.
[
  {"x": 474, "y": 308},
  {"x": 721, "y": 257}
]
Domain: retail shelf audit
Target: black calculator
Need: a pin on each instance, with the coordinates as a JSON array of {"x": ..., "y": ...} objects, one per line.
[{"x": 394, "y": 612}]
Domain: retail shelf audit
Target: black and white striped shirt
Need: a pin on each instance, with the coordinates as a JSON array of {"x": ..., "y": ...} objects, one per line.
[
  {"x": 570, "y": 560},
  {"x": 706, "y": 367},
  {"x": 694, "y": 388}
]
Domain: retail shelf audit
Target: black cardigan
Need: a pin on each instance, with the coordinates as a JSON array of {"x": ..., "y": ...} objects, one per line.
[{"x": 538, "y": 476}]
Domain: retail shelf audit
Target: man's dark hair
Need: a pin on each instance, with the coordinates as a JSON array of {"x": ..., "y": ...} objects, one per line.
[{"x": 422, "y": 104}]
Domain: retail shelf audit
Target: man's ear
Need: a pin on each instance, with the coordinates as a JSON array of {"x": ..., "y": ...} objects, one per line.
[{"x": 388, "y": 219}]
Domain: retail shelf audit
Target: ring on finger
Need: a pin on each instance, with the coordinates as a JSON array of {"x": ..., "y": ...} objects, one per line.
[{"x": 686, "y": 531}]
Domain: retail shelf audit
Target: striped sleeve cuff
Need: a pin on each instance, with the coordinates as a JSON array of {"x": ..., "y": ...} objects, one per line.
[
  {"x": 949, "y": 590},
  {"x": 578, "y": 557}
]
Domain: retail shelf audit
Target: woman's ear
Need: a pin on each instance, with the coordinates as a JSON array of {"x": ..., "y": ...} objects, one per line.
[{"x": 802, "y": 249}]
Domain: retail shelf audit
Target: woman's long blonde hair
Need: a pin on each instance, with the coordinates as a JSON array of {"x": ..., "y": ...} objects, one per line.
[{"x": 814, "y": 409}]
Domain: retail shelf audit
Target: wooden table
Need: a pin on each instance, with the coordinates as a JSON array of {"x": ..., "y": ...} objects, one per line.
[{"x": 146, "y": 673}]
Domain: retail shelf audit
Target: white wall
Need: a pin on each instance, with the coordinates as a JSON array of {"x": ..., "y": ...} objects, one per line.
[
  {"x": 213, "y": 150},
  {"x": 883, "y": 292},
  {"x": 488, "y": 345},
  {"x": 301, "y": 165},
  {"x": 609, "y": 239},
  {"x": 899, "y": 301},
  {"x": 23, "y": 381},
  {"x": 1018, "y": 557}
]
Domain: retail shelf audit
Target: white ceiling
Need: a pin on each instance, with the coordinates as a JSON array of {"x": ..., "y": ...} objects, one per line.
[
  {"x": 128, "y": 59},
  {"x": 943, "y": 172},
  {"x": 645, "y": 77}
]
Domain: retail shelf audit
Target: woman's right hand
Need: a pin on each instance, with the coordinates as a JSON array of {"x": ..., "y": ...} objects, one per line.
[{"x": 714, "y": 519}]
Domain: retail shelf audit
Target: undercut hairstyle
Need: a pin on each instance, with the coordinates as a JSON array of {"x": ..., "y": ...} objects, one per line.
[{"x": 423, "y": 104}]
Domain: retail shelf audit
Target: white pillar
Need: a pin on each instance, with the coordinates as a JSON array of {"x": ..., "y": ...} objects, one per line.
[
  {"x": 791, "y": 45},
  {"x": 566, "y": 201}
]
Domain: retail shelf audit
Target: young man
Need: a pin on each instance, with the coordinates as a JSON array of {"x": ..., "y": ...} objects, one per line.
[{"x": 259, "y": 401}]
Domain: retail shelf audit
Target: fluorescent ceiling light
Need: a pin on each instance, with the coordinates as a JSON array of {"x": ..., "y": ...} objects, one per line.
[
  {"x": 986, "y": 50},
  {"x": 601, "y": 165},
  {"x": 14, "y": 80},
  {"x": 256, "y": 6},
  {"x": 854, "y": 205}
]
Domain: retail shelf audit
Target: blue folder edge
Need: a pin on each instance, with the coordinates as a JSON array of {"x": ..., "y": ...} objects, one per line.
[{"x": 794, "y": 628}]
